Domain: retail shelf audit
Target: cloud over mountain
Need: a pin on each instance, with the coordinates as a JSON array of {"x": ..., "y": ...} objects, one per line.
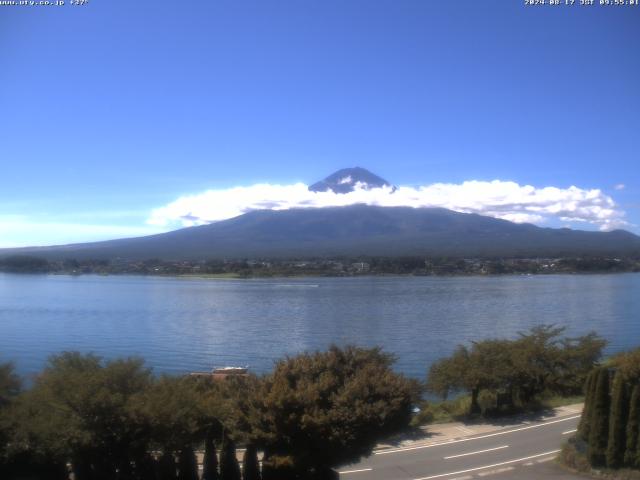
[{"x": 501, "y": 199}]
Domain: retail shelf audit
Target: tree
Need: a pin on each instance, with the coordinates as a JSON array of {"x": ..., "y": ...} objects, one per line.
[
  {"x": 24, "y": 264},
  {"x": 250, "y": 465},
  {"x": 617, "y": 423},
  {"x": 79, "y": 410},
  {"x": 229, "y": 467},
  {"x": 447, "y": 375},
  {"x": 628, "y": 364},
  {"x": 173, "y": 411},
  {"x": 210, "y": 460},
  {"x": 10, "y": 384},
  {"x": 187, "y": 464},
  {"x": 518, "y": 370},
  {"x": 9, "y": 388},
  {"x": 599, "y": 430},
  {"x": 146, "y": 467},
  {"x": 167, "y": 467},
  {"x": 631, "y": 456},
  {"x": 327, "y": 408},
  {"x": 585, "y": 419}
]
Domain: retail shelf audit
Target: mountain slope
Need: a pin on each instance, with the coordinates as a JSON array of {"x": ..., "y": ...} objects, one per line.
[{"x": 352, "y": 230}]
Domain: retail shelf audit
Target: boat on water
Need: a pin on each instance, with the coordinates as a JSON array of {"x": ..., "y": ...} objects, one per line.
[{"x": 222, "y": 372}]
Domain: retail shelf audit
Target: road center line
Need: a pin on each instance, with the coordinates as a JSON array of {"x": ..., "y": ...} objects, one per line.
[
  {"x": 449, "y": 442},
  {"x": 355, "y": 471},
  {"x": 488, "y": 466},
  {"x": 496, "y": 471},
  {"x": 475, "y": 453}
]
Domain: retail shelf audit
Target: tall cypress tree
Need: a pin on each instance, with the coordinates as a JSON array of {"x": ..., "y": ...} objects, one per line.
[
  {"x": 229, "y": 467},
  {"x": 146, "y": 467},
  {"x": 82, "y": 469},
  {"x": 187, "y": 464},
  {"x": 617, "y": 422},
  {"x": 250, "y": 465},
  {"x": 210, "y": 460},
  {"x": 599, "y": 430},
  {"x": 631, "y": 457},
  {"x": 167, "y": 467},
  {"x": 585, "y": 420}
]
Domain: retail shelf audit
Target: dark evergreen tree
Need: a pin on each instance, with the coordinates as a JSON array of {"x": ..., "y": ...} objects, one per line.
[
  {"x": 250, "y": 465},
  {"x": 599, "y": 430},
  {"x": 631, "y": 457},
  {"x": 210, "y": 460},
  {"x": 146, "y": 467},
  {"x": 617, "y": 423},
  {"x": 82, "y": 469},
  {"x": 167, "y": 467},
  {"x": 589, "y": 392},
  {"x": 229, "y": 467},
  {"x": 187, "y": 464}
]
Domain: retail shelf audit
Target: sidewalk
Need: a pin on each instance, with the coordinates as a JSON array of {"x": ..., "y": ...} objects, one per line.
[{"x": 445, "y": 432}]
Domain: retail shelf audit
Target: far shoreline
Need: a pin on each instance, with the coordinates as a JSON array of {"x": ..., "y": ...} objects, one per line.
[{"x": 233, "y": 277}]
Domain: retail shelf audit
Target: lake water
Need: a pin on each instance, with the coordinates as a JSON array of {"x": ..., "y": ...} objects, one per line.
[{"x": 180, "y": 325}]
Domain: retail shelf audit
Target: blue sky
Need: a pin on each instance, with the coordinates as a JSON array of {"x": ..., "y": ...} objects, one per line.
[{"x": 117, "y": 109}]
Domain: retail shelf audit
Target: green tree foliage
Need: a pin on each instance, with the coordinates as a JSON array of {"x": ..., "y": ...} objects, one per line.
[
  {"x": 24, "y": 264},
  {"x": 173, "y": 410},
  {"x": 618, "y": 422},
  {"x": 250, "y": 465},
  {"x": 448, "y": 375},
  {"x": 632, "y": 451},
  {"x": 80, "y": 409},
  {"x": 229, "y": 467},
  {"x": 10, "y": 384},
  {"x": 9, "y": 388},
  {"x": 518, "y": 370},
  {"x": 16, "y": 462},
  {"x": 589, "y": 393},
  {"x": 628, "y": 365},
  {"x": 610, "y": 423},
  {"x": 326, "y": 408},
  {"x": 599, "y": 430},
  {"x": 577, "y": 358}
]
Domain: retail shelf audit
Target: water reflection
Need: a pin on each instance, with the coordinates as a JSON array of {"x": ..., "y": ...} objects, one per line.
[{"x": 180, "y": 325}]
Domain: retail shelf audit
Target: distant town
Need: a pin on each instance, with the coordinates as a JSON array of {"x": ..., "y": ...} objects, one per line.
[{"x": 339, "y": 267}]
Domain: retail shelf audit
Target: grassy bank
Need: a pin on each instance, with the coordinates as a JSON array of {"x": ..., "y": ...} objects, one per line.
[{"x": 457, "y": 410}]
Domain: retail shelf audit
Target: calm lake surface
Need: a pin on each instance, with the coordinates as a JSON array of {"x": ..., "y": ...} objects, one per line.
[{"x": 180, "y": 325}]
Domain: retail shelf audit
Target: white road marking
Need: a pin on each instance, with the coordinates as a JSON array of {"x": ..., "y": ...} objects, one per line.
[
  {"x": 570, "y": 431},
  {"x": 489, "y": 466},
  {"x": 448, "y": 442},
  {"x": 475, "y": 453},
  {"x": 542, "y": 460},
  {"x": 497, "y": 470},
  {"x": 466, "y": 477},
  {"x": 528, "y": 464},
  {"x": 355, "y": 471}
]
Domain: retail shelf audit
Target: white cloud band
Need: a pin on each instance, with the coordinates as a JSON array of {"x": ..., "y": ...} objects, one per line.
[{"x": 500, "y": 199}]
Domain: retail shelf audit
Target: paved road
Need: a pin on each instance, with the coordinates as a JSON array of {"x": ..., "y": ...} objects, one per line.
[{"x": 522, "y": 452}]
